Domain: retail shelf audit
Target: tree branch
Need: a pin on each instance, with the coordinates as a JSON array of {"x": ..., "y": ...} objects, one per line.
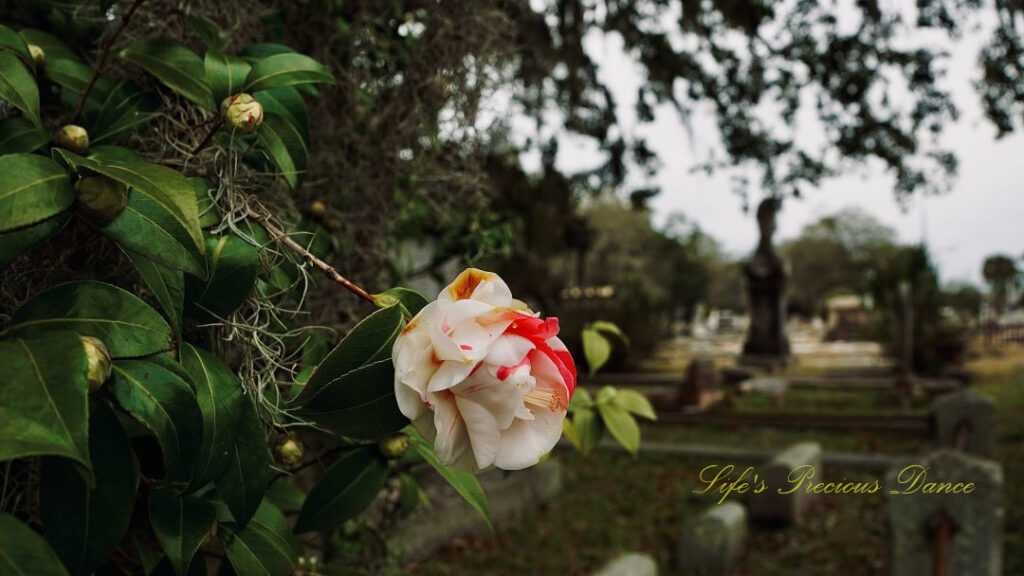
[{"x": 104, "y": 54}]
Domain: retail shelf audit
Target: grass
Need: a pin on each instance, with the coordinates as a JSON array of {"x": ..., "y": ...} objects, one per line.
[{"x": 612, "y": 503}]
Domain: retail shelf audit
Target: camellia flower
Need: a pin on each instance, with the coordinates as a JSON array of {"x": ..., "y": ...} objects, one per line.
[{"x": 484, "y": 378}]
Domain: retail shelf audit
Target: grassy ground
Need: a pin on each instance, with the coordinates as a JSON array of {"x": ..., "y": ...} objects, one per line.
[{"x": 612, "y": 503}]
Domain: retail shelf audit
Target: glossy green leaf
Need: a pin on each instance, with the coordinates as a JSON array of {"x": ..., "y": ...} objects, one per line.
[
  {"x": 368, "y": 342},
  {"x": 264, "y": 547},
  {"x": 43, "y": 407},
  {"x": 19, "y": 135},
  {"x": 596, "y": 349},
  {"x": 33, "y": 188},
  {"x": 621, "y": 425},
  {"x": 286, "y": 146},
  {"x": 610, "y": 328},
  {"x": 207, "y": 30},
  {"x": 286, "y": 496},
  {"x": 287, "y": 103},
  {"x": 583, "y": 429},
  {"x": 359, "y": 404},
  {"x": 177, "y": 67},
  {"x": 148, "y": 228},
  {"x": 219, "y": 393},
  {"x": 125, "y": 110},
  {"x": 24, "y": 552},
  {"x": 225, "y": 74},
  {"x": 165, "y": 186},
  {"x": 209, "y": 214},
  {"x": 15, "y": 242},
  {"x": 51, "y": 45},
  {"x": 634, "y": 402},
  {"x": 165, "y": 405},
  {"x": 464, "y": 483},
  {"x": 345, "y": 490},
  {"x": 412, "y": 301},
  {"x": 85, "y": 525},
  {"x": 13, "y": 42},
  {"x": 73, "y": 76},
  {"x": 232, "y": 265},
  {"x": 128, "y": 326},
  {"x": 166, "y": 286},
  {"x": 244, "y": 481},
  {"x": 18, "y": 86},
  {"x": 180, "y": 523},
  {"x": 109, "y": 153},
  {"x": 286, "y": 69}
]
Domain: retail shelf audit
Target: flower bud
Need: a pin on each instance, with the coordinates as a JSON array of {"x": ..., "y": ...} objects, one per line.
[
  {"x": 393, "y": 447},
  {"x": 38, "y": 55},
  {"x": 242, "y": 113},
  {"x": 101, "y": 198},
  {"x": 73, "y": 138},
  {"x": 317, "y": 209},
  {"x": 97, "y": 362},
  {"x": 288, "y": 453}
]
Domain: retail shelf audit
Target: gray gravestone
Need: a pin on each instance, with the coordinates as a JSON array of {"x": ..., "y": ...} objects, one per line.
[
  {"x": 965, "y": 421},
  {"x": 963, "y": 530},
  {"x": 766, "y": 273},
  {"x": 700, "y": 385},
  {"x": 773, "y": 506},
  {"x": 712, "y": 542},
  {"x": 631, "y": 564}
]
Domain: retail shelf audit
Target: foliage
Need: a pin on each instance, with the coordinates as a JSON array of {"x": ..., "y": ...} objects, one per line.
[{"x": 1002, "y": 274}]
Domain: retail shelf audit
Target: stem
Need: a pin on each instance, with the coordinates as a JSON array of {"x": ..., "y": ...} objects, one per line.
[
  {"x": 209, "y": 135},
  {"x": 324, "y": 267},
  {"x": 104, "y": 54}
]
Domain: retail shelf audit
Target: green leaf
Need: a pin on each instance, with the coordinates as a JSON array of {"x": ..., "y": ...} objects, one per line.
[
  {"x": 581, "y": 400},
  {"x": 360, "y": 404},
  {"x": 621, "y": 425},
  {"x": 207, "y": 31},
  {"x": 166, "y": 286},
  {"x": 19, "y": 135},
  {"x": 286, "y": 69},
  {"x": 54, "y": 48},
  {"x": 126, "y": 324},
  {"x": 165, "y": 405},
  {"x": 245, "y": 480},
  {"x": 286, "y": 146},
  {"x": 232, "y": 264},
  {"x": 85, "y": 525},
  {"x": 162, "y": 185},
  {"x": 33, "y": 188},
  {"x": 464, "y": 483},
  {"x": 286, "y": 496},
  {"x": 209, "y": 214},
  {"x": 43, "y": 409},
  {"x": 74, "y": 76},
  {"x": 368, "y": 342},
  {"x": 15, "y": 242},
  {"x": 264, "y": 547},
  {"x": 174, "y": 65},
  {"x": 219, "y": 393},
  {"x": 180, "y": 523},
  {"x": 148, "y": 228},
  {"x": 635, "y": 403},
  {"x": 287, "y": 103},
  {"x": 345, "y": 490},
  {"x": 584, "y": 430},
  {"x": 23, "y": 552},
  {"x": 13, "y": 42},
  {"x": 596, "y": 349},
  {"x": 412, "y": 301},
  {"x": 610, "y": 328},
  {"x": 18, "y": 86},
  {"x": 225, "y": 74},
  {"x": 124, "y": 111}
]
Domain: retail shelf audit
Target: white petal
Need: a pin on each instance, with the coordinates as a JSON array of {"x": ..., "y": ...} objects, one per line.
[
  {"x": 484, "y": 435},
  {"x": 478, "y": 285},
  {"x": 548, "y": 377},
  {"x": 452, "y": 439},
  {"x": 499, "y": 398},
  {"x": 523, "y": 443},
  {"x": 448, "y": 375},
  {"x": 410, "y": 402},
  {"x": 508, "y": 350}
]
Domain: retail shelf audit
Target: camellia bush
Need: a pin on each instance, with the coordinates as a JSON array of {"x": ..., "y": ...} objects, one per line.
[{"x": 163, "y": 406}]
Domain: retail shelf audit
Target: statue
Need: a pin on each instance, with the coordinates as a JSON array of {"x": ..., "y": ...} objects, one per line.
[{"x": 766, "y": 286}]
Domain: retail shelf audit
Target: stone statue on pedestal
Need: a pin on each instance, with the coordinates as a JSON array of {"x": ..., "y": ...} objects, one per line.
[{"x": 766, "y": 287}]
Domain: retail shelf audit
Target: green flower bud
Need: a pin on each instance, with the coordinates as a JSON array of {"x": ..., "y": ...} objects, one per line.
[
  {"x": 38, "y": 55},
  {"x": 393, "y": 447},
  {"x": 242, "y": 113},
  {"x": 73, "y": 138},
  {"x": 101, "y": 198},
  {"x": 288, "y": 453},
  {"x": 97, "y": 362}
]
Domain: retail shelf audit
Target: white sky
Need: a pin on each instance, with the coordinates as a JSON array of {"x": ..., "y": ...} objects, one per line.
[{"x": 981, "y": 215}]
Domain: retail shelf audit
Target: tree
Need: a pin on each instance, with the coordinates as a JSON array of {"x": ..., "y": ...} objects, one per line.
[{"x": 1002, "y": 275}]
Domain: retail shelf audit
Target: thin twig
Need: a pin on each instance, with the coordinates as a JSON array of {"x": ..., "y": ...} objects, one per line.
[
  {"x": 209, "y": 135},
  {"x": 104, "y": 54},
  {"x": 263, "y": 218}
]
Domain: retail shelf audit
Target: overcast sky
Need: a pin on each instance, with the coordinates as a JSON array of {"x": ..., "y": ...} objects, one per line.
[{"x": 982, "y": 214}]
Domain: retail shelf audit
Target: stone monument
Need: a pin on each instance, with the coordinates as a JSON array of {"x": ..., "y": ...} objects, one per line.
[{"x": 766, "y": 274}]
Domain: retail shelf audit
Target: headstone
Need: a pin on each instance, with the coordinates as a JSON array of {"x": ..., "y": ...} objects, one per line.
[
  {"x": 778, "y": 504},
  {"x": 933, "y": 532},
  {"x": 965, "y": 420},
  {"x": 712, "y": 542},
  {"x": 776, "y": 388},
  {"x": 733, "y": 375},
  {"x": 700, "y": 385},
  {"x": 766, "y": 273},
  {"x": 631, "y": 564}
]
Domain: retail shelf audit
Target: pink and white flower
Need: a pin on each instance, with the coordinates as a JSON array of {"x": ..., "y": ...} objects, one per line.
[{"x": 482, "y": 377}]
